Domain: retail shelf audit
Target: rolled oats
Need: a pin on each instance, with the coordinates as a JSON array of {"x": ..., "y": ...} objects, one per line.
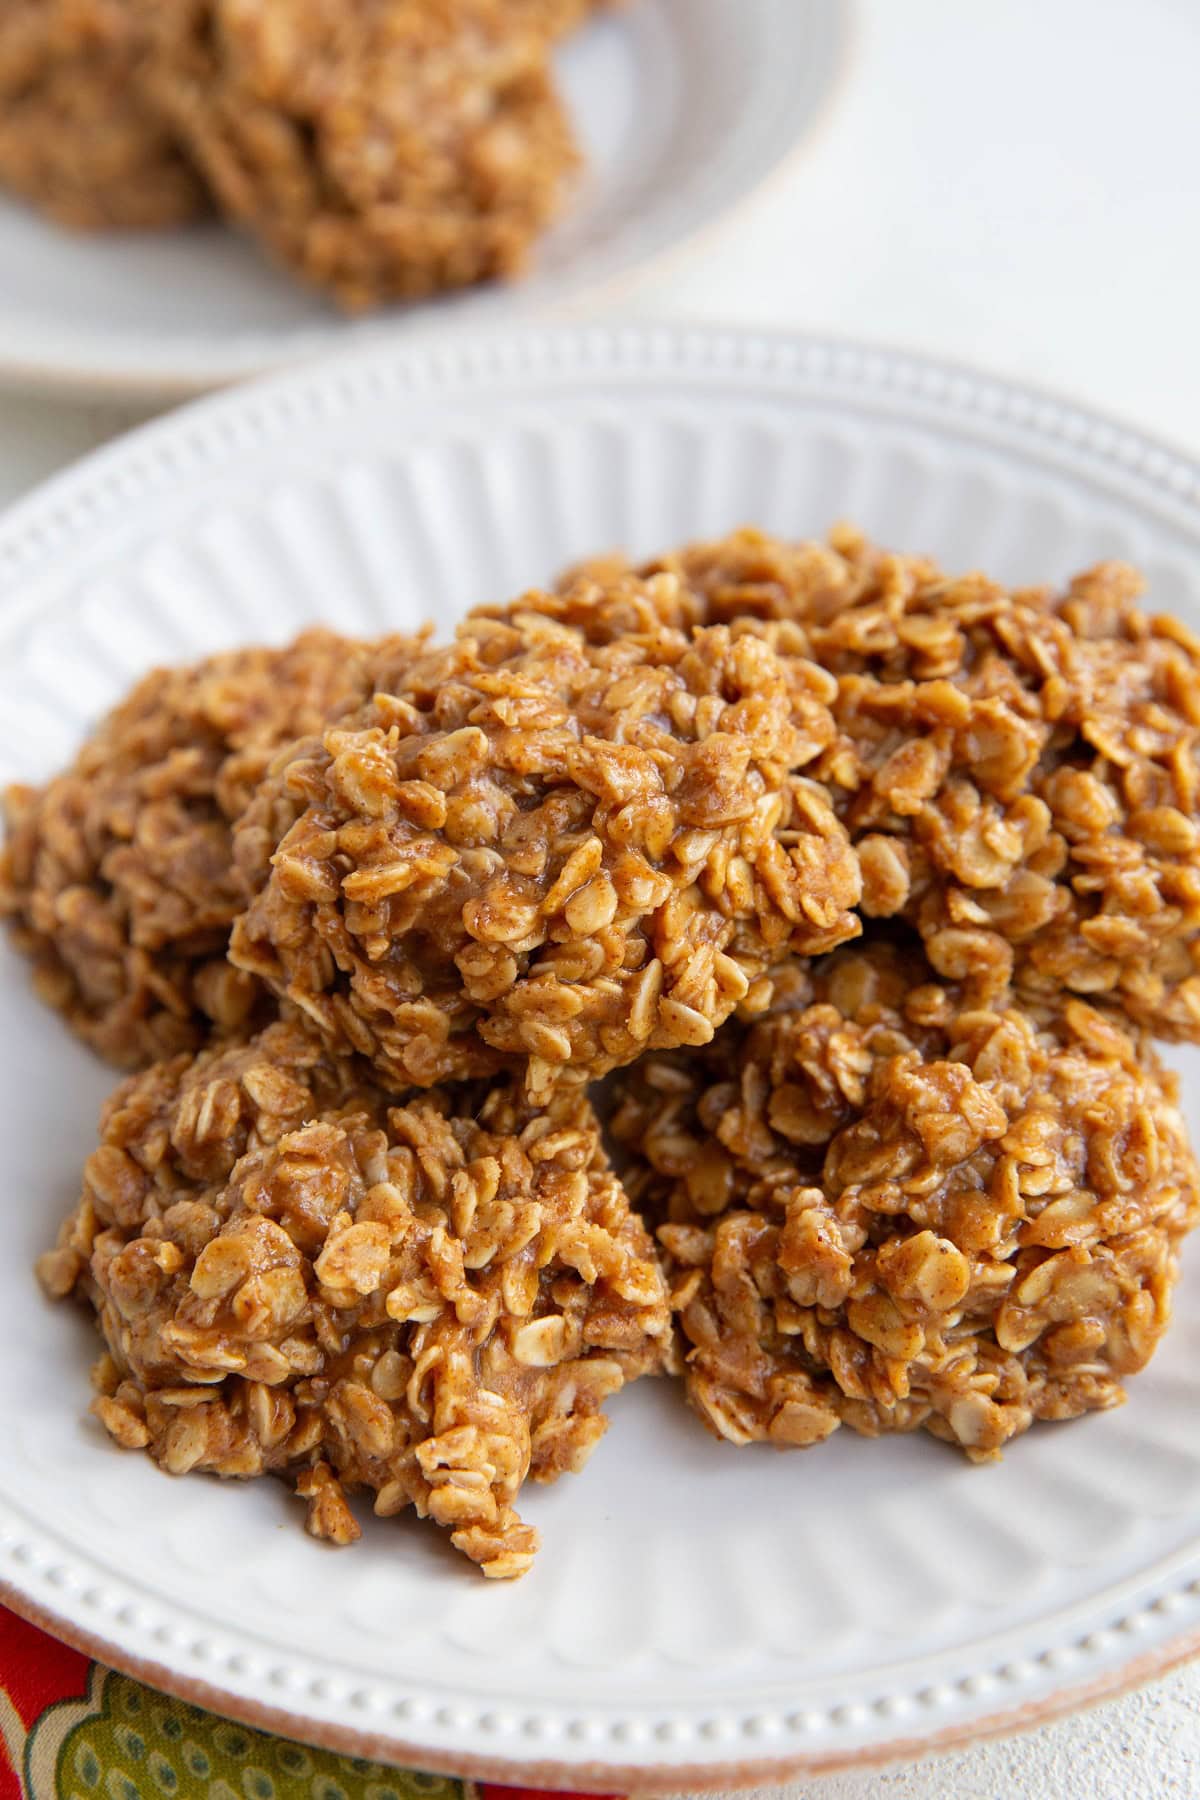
[
  {"x": 380, "y": 148},
  {"x": 382, "y": 151},
  {"x": 294, "y": 1274},
  {"x": 78, "y": 136},
  {"x": 937, "y": 1180},
  {"x": 891, "y": 1208},
  {"x": 118, "y": 876},
  {"x": 1019, "y": 770},
  {"x": 545, "y": 852}
]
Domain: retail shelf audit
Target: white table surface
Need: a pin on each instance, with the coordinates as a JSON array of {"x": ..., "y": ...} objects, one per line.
[{"x": 1016, "y": 185}]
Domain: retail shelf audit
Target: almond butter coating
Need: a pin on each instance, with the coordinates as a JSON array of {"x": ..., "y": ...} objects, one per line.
[
  {"x": 118, "y": 877},
  {"x": 380, "y": 151},
  {"x": 400, "y": 905},
  {"x": 892, "y": 1208},
  {"x": 79, "y": 137},
  {"x": 295, "y": 1275},
  {"x": 1019, "y": 770},
  {"x": 551, "y": 854}
]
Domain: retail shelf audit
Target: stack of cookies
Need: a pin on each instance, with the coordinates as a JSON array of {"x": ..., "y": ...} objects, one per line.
[
  {"x": 835, "y": 900},
  {"x": 380, "y": 149}
]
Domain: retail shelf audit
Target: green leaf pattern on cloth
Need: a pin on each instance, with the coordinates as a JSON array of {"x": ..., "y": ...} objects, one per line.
[{"x": 124, "y": 1742}]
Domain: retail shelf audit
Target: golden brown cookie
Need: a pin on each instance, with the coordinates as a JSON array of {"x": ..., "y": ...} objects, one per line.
[
  {"x": 295, "y": 1275},
  {"x": 1019, "y": 770},
  {"x": 889, "y": 1208},
  {"x": 79, "y": 136},
  {"x": 118, "y": 876},
  {"x": 542, "y": 853},
  {"x": 382, "y": 151}
]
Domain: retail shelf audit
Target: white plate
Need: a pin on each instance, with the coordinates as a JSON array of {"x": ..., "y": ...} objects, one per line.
[
  {"x": 697, "y": 1614},
  {"x": 683, "y": 107}
]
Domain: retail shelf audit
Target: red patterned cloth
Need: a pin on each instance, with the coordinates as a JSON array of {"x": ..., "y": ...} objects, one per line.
[{"x": 70, "y": 1729}]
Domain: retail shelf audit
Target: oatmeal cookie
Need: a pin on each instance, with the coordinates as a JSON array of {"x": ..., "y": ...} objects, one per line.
[
  {"x": 1020, "y": 771},
  {"x": 382, "y": 151},
  {"x": 295, "y": 1274},
  {"x": 79, "y": 136},
  {"x": 552, "y": 854},
  {"x": 891, "y": 1209},
  {"x": 118, "y": 876}
]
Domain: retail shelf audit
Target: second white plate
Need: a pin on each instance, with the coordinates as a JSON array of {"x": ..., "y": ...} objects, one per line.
[{"x": 682, "y": 107}]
